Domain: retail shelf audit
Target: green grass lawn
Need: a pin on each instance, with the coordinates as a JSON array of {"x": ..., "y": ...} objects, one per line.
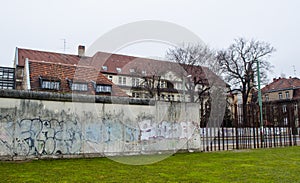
[{"x": 263, "y": 165}]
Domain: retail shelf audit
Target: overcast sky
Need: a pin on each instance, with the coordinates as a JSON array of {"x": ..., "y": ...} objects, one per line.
[{"x": 43, "y": 25}]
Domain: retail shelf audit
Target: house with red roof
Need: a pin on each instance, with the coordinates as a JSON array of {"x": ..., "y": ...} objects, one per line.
[
  {"x": 55, "y": 72},
  {"x": 162, "y": 80},
  {"x": 281, "y": 100},
  {"x": 109, "y": 74},
  {"x": 58, "y": 77},
  {"x": 282, "y": 89}
]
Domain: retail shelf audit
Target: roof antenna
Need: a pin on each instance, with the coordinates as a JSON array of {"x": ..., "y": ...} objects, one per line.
[
  {"x": 294, "y": 70},
  {"x": 65, "y": 44}
]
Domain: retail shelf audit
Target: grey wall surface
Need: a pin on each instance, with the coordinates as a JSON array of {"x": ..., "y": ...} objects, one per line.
[{"x": 37, "y": 125}]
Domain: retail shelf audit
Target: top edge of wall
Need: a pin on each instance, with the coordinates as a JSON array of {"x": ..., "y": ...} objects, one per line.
[{"x": 70, "y": 97}]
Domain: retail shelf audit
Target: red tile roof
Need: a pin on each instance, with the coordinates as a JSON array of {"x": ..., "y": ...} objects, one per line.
[
  {"x": 46, "y": 56},
  {"x": 282, "y": 84},
  {"x": 153, "y": 67},
  {"x": 114, "y": 61},
  {"x": 65, "y": 72}
]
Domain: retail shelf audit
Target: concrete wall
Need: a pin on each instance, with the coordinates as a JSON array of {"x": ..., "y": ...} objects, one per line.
[{"x": 38, "y": 125}]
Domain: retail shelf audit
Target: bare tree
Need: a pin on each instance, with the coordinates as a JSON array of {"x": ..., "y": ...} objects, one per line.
[
  {"x": 196, "y": 60},
  {"x": 152, "y": 85},
  {"x": 146, "y": 78},
  {"x": 239, "y": 64}
]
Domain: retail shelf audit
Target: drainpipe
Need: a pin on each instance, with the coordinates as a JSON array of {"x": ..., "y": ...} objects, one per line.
[{"x": 27, "y": 74}]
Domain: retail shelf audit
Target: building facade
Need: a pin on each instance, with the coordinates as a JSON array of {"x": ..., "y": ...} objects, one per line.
[
  {"x": 281, "y": 100},
  {"x": 137, "y": 77},
  {"x": 282, "y": 89}
]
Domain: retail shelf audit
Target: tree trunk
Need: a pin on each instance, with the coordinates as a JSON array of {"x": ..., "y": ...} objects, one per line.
[{"x": 244, "y": 105}]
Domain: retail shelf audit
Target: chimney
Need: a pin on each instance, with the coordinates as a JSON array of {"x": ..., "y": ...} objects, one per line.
[{"x": 81, "y": 50}]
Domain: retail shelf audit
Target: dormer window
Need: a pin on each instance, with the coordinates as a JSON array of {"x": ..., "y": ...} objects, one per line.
[
  {"x": 52, "y": 85},
  {"x": 131, "y": 70},
  {"x": 79, "y": 86},
  {"x": 104, "y": 68},
  {"x": 49, "y": 83},
  {"x": 119, "y": 69},
  {"x": 103, "y": 88},
  {"x": 143, "y": 72}
]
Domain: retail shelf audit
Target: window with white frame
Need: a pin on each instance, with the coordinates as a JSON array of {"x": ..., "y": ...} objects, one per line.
[
  {"x": 287, "y": 95},
  {"x": 122, "y": 80},
  {"x": 6, "y": 75},
  {"x": 136, "y": 95},
  {"x": 284, "y": 108},
  {"x": 170, "y": 98},
  {"x": 280, "y": 95},
  {"x": 79, "y": 86},
  {"x": 103, "y": 88},
  {"x": 285, "y": 121},
  {"x": 52, "y": 85},
  {"x": 162, "y": 84},
  {"x": 6, "y": 86},
  {"x": 135, "y": 82},
  {"x": 267, "y": 97}
]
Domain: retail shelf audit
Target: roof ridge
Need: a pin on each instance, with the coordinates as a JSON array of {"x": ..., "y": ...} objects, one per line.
[
  {"x": 103, "y": 52},
  {"x": 58, "y": 63},
  {"x": 28, "y": 49}
]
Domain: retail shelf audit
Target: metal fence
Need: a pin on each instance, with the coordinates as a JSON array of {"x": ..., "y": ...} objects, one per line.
[
  {"x": 280, "y": 128},
  {"x": 220, "y": 139}
]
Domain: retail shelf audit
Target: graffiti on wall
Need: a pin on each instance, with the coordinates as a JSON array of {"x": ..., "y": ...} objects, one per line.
[
  {"x": 167, "y": 130},
  {"x": 53, "y": 137},
  {"x": 38, "y": 137},
  {"x": 41, "y": 137},
  {"x": 6, "y": 135}
]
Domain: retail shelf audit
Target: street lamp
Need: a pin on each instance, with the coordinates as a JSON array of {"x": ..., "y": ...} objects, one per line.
[
  {"x": 260, "y": 103},
  {"x": 183, "y": 83}
]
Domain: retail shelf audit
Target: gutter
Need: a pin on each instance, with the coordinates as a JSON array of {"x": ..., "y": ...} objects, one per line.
[{"x": 27, "y": 74}]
